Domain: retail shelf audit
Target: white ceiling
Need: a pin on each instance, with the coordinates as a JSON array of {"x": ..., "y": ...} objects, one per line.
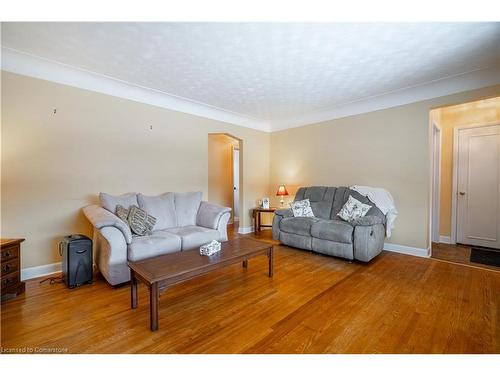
[{"x": 279, "y": 74}]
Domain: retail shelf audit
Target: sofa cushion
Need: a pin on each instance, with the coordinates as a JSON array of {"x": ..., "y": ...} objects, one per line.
[
  {"x": 186, "y": 207},
  {"x": 109, "y": 202},
  {"x": 161, "y": 207},
  {"x": 194, "y": 236},
  {"x": 158, "y": 243},
  {"x": 333, "y": 230},
  {"x": 319, "y": 193},
  {"x": 298, "y": 225},
  {"x": 321, "y": 198}
]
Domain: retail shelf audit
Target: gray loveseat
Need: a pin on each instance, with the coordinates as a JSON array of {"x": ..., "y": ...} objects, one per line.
[
  {"x": 326, "y": 233},
  {"x": 183, "y": 221}
]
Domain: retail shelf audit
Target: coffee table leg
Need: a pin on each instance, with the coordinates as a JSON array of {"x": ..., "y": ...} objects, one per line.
[
  {"x": 154, "y": 296},
  {"x": 245, "y": 263},
  {"x": 270, "y": 256},
  {"x": 133, "y": 290}
]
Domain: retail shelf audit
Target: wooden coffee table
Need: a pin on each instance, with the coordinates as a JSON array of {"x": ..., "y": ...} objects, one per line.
[{"x": 160, "y": 272}]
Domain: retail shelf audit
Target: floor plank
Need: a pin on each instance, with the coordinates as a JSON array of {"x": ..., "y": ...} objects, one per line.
[
  {"x": 314, "y": 304},
  {"x": 457, "y": 254}
]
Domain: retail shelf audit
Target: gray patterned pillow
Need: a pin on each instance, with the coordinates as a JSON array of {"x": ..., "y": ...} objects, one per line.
[
  {"x": 353, "y": 209},
  {"x": 122, "y": 213},
  {"x": 141, "y": 223},
  {"x": 302, "y": 208}
]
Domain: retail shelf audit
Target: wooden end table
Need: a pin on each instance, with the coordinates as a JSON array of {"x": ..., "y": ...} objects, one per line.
[
  {"x": 11, "y": 268},
  {"x": 257, "y": 223},
  {"x": 165, "y": 270}
]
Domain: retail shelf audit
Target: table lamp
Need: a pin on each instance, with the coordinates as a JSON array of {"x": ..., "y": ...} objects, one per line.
[{"x": 281, "y": 193}]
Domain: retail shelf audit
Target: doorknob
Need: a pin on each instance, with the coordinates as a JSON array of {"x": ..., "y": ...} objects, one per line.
[{"x": 462, "y": 193}]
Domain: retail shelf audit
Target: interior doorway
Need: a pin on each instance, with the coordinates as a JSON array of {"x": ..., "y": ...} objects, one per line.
[
  {"x": 225, "y": 173},
  {"x": 465, "y": 182},
  {"x": 236, "y": 183},
  {"x": 436, "y": 180}
]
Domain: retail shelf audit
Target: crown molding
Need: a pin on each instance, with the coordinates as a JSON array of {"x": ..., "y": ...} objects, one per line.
[
  {"x": 33, "y": 66},
  {"x": 446, "y": 86}
]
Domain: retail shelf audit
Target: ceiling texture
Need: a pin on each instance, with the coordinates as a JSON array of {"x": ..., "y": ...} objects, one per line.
[{"x": 277, "y": 74}]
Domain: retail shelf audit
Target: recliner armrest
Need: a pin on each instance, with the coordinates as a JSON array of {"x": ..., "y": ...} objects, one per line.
[
  {"x": 284, "y": 212},
  {"x": 368, "y": 220},
  {"x": 100, "y": 218},
  {"x": 209, "y": 214}
]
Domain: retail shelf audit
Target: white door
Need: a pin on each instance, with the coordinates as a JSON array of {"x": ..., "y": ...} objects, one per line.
[
  {"x": 478, "y": 187},
  {"x": 236, "y": 183}
]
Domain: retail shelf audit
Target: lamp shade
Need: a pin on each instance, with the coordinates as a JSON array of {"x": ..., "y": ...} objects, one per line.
[{"x": 281, "y": 191}]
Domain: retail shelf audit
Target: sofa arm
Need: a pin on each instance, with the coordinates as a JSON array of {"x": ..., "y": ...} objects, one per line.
[
  {"x": 284, "y": 212},
  {"x": 278, "y": 216},
  {"x": 368, "y": 241},
  {"x": 368, "y": 220},
  {"x": 111, "y": 255},
  {"x": 100, "y": 218},
  {"x": 222, "y": 227},
  {"x": 210, "y": 215}
]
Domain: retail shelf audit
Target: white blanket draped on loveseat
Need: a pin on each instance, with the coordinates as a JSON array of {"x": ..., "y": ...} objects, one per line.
[{"x": 383, "y": 200}]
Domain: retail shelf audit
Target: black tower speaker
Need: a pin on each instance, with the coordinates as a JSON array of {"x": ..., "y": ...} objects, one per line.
[{"x": 76, "y": 252}]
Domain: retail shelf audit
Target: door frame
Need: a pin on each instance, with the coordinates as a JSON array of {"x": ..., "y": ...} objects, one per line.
[
  {"x": 437, "y": 136},
  {"x": 241, "y": 207},
  {"x": 233, "y": 148},
  {"x": 454, "y": 189}
]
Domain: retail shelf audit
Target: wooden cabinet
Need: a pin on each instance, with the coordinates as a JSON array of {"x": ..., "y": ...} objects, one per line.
[{"x": 11, "y": 284}]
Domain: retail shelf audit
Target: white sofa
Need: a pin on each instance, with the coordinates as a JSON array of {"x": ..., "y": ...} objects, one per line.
[{"x": 183, "y": 221}]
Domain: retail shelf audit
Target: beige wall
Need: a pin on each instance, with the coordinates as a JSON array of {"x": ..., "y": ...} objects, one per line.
[
  {"x": 472, "y": 113},
  {"x": 387, "y": 148},
  {"x": 52, "y": 165},
  {"x": 220, "y": 169}
]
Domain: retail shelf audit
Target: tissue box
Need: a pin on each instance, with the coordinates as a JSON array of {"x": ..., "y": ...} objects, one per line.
[{"x": 210, "y": 248}]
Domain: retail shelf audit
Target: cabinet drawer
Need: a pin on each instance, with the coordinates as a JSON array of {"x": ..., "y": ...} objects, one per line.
[
  {"x": 10, "y": 280},
  {"x": 10, "y": 252},
  {"x": 10, "y": 266}
]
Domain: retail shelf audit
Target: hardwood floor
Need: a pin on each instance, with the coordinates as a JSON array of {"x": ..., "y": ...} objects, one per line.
[
  {"x": 314, "y": 304},
  {"x": 457, "y": 254}
]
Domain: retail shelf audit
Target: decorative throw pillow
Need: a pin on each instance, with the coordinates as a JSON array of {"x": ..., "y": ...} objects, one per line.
[
  {"x": 122, "y": 213},
  {"x": 141, "y": 223},
  {"x": 302, "y": 208},
  {"x": 353, "y": 209}
]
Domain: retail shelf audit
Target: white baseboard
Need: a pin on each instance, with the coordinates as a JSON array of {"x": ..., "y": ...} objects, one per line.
[
  {"x": 245, "y": 230},
  {"x": 416, "y": 251},
  {"x": 444, "y": 239},
  {"x": 46, "y": 269}
]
